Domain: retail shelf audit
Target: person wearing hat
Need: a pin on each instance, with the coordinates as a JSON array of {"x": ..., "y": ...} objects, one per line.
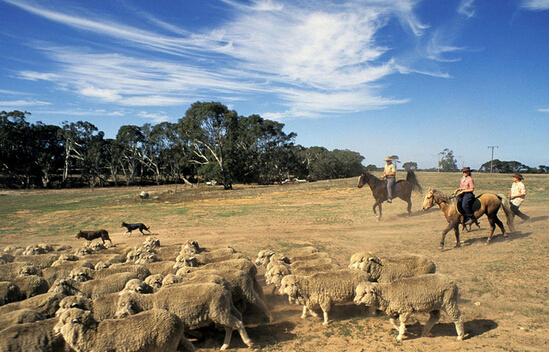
[
  {"x": 466, "y": 188},
  {"x": 516, "y": 196},
  {"x": 389, "y": 173}
]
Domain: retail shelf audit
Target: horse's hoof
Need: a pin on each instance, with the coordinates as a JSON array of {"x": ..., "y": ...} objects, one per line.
[
  {"x": 486, "y": 243},
  {"x": 441, "y": 248}
]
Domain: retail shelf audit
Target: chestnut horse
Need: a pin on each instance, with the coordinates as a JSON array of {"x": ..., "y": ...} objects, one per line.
[
  {"x": 489, "y": 205},
  {"x": 402, "y": 189}
]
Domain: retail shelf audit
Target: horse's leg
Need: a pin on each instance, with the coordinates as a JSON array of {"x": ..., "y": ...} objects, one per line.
[
  {"x": 456, "y": 231},
  {"x": 444, "y": 232},
  {"x": 500, "y": 225},
  {"x": 409, "y": 201},
  {"x": 492, "y": 222},
  {"x": 380, "y": 211}
]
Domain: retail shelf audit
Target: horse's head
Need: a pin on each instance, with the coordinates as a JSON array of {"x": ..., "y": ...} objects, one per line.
[
  {"x": 362, "y": 179},
  {"x": 429, "y": 200}
]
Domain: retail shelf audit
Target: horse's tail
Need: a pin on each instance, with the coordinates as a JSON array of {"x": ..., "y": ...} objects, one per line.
[
  {"x": 506, "y": 205},
  {"x": 411, "y": 177}
]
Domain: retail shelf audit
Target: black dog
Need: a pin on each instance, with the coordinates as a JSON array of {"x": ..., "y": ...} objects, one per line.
[
  {"x": 138, "y": 226},
  {"x": 91, "y": 235}
]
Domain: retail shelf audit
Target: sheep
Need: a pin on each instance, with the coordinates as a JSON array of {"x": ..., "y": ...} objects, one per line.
[
  {"x": 139, "y": 270},
  {"x": 65, "y": 257},
  {"x": 277, "y": 272},
  {"x": 12, "y": 270},
  {"x": 170, "y": 252},
  {"x": 155, "y": 281},
  {"x": 9, "y": 292},
  {"x": 137, "y": 286},
  {"x": 19, "y": 317},
  {"x": 242, "y": 287},
  {"x": 196, "y": 304},
  {"x": 206, "y": 258},
  {"x": 46, "y": 303},
  {"x": 102, "y": 307},
  {"x": 63, "y": 270},
  {"x": 31, "y": 285},
  {"x": 93, "y": 288},
  {"x": 81, "y": 274},
  {"x": 429, "y": 293},
  {"x": 322, "y": 289},
  {"x": 41, "y": 261},
  {"x": 387, "y": 269},
  {"x": 151, "y": 331},
  {"x": 265, "y": 256},
  {"x": 356, "y": 259},
  {"x": 6, "y": 258},
  {"x": 35, "y": 336},
  {"x": 163, "y": 268}
]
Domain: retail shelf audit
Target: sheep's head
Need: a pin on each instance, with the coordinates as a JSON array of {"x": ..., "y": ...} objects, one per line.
[
  {"x": 74, "y": 317},
  {"x": 191, "y": 245},
  {"x": 81, "y": 274},
  {"x": 126, "y": 305},
  {"x": 263, "y": 257},
  {"x": 137, "y": 286},
  {"x": 155, "y": 281},
  {"x": 356, "y": 260},
  {"x": 288, "y": 286},
  {"x": 73, "y": 302},
  {"x": 366, "y": 293}
]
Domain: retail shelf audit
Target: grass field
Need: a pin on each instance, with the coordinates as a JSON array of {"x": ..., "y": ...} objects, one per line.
[{"x": 503, "y": 287}]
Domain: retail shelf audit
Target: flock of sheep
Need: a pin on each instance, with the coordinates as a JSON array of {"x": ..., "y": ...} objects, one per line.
[{"x": 154, "y": 298}]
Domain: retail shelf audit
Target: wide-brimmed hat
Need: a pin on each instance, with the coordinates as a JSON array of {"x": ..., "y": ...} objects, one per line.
[
  {"x": 466, "y": 169},
  {"x": 517, "y": 175},
  {"x": 388, "y": 158}
]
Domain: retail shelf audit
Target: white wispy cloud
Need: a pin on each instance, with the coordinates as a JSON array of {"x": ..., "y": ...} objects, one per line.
[
  {"x": 543, "y": 110},
  {"x": 22, "y": 103},
  {"x": 313, "y": 58},
  {"x": 535, "y": 5},
  {"x": 466, "y": 8}
]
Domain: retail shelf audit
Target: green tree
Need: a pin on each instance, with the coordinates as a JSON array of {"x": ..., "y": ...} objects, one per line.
[
  {"x": 448, "y": 162},
  {"x": 211, "y": 128},
  {"x": 130, "y": 138},
  {"x": 410, "y": 165}
]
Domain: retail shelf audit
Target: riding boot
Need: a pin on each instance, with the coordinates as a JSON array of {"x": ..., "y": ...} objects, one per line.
[{"x": 470, "y": 221}]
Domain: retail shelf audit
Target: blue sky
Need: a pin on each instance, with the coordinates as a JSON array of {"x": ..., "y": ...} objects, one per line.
[{"x": 379, "y": 77}]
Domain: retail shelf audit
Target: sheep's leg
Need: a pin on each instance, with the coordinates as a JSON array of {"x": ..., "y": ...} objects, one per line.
[
  {"x": 325, "y": 309},
  {"x": 227, "y": 341},
  {"x": 304, "y": 314},
  {"x": 402, "y": 328},
  {"x": 243, "y": 334},
  {"x": 433, "y": 319},
  {"x": 460, "y": 330},
  {"x": 393, "y": 322}
]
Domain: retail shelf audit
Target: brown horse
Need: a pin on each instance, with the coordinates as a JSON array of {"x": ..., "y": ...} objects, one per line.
[
  {"x": 402, "y": 189},
  {"x": 489, "y": 205}
]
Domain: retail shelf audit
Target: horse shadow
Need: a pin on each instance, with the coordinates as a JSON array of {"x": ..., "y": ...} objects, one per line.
[
  {"x": 513, "y": 236},
  {"x": 473, "y": 328}
]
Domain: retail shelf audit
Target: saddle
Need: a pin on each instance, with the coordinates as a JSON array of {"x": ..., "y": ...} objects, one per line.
[{"x": 476, "y": 204}]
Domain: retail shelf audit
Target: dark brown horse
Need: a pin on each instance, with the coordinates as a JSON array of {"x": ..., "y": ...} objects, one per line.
[
  {"x": 402, "y": 189},
  {"x": 489, "y": 205}
]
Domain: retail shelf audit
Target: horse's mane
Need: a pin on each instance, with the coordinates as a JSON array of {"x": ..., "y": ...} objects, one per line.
[{"x": 443, "y": 196}]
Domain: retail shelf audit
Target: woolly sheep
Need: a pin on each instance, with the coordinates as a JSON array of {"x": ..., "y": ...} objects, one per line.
[
  {"x": 46, "y": 303},
  {"x": 356, "y": 259},
  {"x": 93, "y": 288},
  {"x": 41, "y": 261},
  {"x": 9, "y": 292},
  {"x": 155, "y": 281},
  {"x": 163, "y": 268},
  {"x": 19, "y": 317},
  {"x": 387, "y": 269},
  {"x": 31, "y": 285},
  {"x": 63, "y": 270},
  {"x": 12, "y": 270},
  {"x": 277, "y": 272},
  {"x": 428, "y": 293},
  {"x": 322, "y": 289},
  {"x": 6, "y": 258},
  {"x": 102, "y": 308},
  {"x": 196, "y": 304},
  {"x": 139, "y": 270},
  {"x": 151, "y": 331},
  {"x": 81, "y": 274},
  {"x": 35, "y": 336},
  {"x": 241, "y": 285}
]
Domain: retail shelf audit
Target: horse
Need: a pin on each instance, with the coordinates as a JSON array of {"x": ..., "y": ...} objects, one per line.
[
  {"x": 402, "y": 189},
  {"x": 489, "y": 205}
]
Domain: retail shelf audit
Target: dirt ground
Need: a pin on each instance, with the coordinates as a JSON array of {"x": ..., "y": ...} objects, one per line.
[{"x": 504, "y": 289}]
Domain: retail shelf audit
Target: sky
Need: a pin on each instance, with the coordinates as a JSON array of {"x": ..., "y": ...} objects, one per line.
[{"x": 379, "y": 77}]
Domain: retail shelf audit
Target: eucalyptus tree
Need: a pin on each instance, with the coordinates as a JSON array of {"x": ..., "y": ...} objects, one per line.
[
  {"x": 211, "y": 129},
  {"x": 75, "y": 137},
  {"x": 130, "y": 138}
]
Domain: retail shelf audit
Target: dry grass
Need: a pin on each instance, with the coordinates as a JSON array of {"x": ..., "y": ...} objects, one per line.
[{"x": 503, "y": 286}]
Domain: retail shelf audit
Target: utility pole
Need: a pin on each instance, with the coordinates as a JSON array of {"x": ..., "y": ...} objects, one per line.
[{"x": 492, "y": 158}]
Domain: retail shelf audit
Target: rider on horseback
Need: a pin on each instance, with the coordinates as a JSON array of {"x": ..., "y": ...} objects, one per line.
[
  {"x": 389, "y": 173},
  {"x": 466, "y": 188}
]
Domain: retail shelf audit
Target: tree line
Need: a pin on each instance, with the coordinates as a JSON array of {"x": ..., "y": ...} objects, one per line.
[{"x": 210, "y": 142}]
